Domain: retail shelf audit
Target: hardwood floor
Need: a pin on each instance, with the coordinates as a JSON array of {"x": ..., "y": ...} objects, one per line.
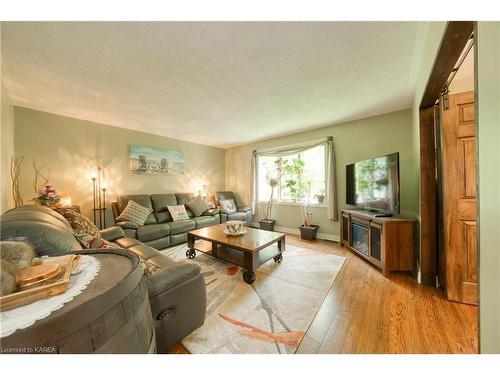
[{"x": 364, "y": 312}]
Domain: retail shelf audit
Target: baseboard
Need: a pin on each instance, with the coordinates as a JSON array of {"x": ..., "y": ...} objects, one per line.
[{"x": 322, "y": 236}]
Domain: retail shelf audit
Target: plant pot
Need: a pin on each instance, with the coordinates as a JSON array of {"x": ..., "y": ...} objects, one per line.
[
  {"x": 320, "y": 198},
  {"x": 309, "y": 233},
  {"x": 267, "y": 224}
]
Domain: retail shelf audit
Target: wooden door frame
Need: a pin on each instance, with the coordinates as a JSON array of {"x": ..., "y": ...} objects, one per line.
[{"x": 454, "y": 40}]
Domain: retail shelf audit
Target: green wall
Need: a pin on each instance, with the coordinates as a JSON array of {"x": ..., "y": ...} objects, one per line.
[
  {"x": 74, "y": 147},
  {"x": 488, "y": 99},
  {"x": 353, "y": 141},
  {"x": 7, "y": 144}
]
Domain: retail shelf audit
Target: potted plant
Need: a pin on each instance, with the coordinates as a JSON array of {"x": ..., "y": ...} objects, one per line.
[
  {"x": 320, "y": 196},
  {"x": 300, "y": 190},
  {"x": 273, "y": 179}
]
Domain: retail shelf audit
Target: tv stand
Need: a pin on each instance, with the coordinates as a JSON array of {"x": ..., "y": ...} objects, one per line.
[
  {"x": 382, "y": 214},
  {"x": 386, "y": 242}
]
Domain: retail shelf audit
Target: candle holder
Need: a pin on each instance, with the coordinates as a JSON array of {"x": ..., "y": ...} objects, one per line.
[{"x": 99, "y": 197}]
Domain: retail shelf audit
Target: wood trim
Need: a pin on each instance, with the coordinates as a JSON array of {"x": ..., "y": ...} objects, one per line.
[
  {"x": 454, "y": 40},
  {"x": 428, "y": 202}
]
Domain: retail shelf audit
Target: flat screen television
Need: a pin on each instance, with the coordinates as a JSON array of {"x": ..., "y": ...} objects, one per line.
[{"x": 373, "y": 184}]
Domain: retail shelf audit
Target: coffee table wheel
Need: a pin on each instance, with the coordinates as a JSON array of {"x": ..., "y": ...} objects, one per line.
[
  {"x": 248, "y": 277},
  {"x": 190, "y": 254},
  {"x": 278, "y": 258}
]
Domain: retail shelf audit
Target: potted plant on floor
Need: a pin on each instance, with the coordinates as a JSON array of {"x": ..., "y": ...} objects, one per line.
[
  {"x": 273, "y": 179},
  {"x": 300, "y": 190}
]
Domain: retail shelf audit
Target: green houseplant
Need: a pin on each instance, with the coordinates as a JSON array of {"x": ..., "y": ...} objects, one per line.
[
  {"x": 273, "y": 179},
  {"x": 300, "y": 190}
]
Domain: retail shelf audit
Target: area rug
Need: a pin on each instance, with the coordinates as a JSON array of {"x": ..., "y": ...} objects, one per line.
[{"x": 270, "y": 316}]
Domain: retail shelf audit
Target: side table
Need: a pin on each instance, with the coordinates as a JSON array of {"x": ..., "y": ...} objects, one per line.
[{"x": 112, "y": 315}]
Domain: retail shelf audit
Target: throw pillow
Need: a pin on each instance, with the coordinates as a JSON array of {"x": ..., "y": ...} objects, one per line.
[
  {"x": 92, "y": 242},
  {"x": 178, "y": 212},
  {"x": 228, "y": 206},
  {"x": 80, "y": 224},
  {"x": 197, "y": 206},
  {"x": 135, "y": 213}
]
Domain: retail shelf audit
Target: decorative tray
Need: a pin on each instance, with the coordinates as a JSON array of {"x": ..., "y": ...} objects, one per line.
[{"x": 55, "y": 283}]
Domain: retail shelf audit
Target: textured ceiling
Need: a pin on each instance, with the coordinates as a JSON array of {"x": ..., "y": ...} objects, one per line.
[{"x": 216, "y": 83}]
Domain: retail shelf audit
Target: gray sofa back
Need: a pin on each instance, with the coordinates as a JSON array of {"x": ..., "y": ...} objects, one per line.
[
  {"x": 157, "y": 202},
  {"x": 46, "y": 230}
]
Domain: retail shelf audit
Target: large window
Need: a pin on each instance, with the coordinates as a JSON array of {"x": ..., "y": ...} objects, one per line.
[{"x": 314, "y": 173}]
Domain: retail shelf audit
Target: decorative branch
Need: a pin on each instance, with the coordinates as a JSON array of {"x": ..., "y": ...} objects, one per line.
[
  {"x": 38, "y": 174},
  {"x": 15, "y": 170}
]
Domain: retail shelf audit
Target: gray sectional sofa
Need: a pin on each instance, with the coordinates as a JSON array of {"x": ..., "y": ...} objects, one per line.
[
  {"x": 159, "y": 231},
  {"x": 177, "y": 292}
]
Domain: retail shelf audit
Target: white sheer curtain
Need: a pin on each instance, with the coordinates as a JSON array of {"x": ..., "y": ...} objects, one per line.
[{"x": 331, "y": 178}]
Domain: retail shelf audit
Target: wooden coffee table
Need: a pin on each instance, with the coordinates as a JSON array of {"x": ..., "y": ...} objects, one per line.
[{"x": 250, "y": 250}]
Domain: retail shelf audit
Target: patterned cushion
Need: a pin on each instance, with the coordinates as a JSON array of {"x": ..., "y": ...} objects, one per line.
[
  {"x": 135, "y": 213},
  {"x": 80, "y": 224},
  {"x": 197, "y": 206},
  {"x": 178, "y": 212},
  {"x": 148, "y": 268},
  {"x": 92, "y": 242},
  {"x": 228, "y": 206}
]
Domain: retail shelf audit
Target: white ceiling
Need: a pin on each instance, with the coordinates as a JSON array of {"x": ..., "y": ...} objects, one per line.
[{"x": 216, "y": 83}]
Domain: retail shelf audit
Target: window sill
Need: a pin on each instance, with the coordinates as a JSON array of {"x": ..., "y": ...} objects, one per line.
[{"x": 316, "y": 205}]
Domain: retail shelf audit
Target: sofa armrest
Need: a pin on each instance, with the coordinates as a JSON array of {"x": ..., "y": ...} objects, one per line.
[
  {"x": 244, "y": 209},
  {"x": 112, "y": 234},
  {"x": 171, "y": 275},
  {"x": 211, "y": 212},
  {"x": 127, "y": 225}
]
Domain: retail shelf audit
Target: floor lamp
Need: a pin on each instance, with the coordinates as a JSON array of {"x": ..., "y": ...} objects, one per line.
[{"x": 99, "y": 195}]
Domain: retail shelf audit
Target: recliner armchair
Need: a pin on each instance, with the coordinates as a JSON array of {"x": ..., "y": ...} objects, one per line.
[{"x": 243, "y": 212}]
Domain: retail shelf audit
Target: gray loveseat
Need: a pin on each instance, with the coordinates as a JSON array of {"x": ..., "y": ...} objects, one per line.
[
  {"x": 177, "y": 292},
  {"x": 159, "y": 231}
]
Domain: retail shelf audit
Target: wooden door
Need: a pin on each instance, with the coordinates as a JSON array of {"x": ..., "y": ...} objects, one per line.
[{"x": 459, "y": 197}]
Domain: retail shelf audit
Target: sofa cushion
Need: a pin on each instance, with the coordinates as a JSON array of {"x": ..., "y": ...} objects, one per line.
[
  {"x": 238, "y": 216},
  {"x": 46, "y": 230},
  {"x": 152, "y": 232},
  {"x": 81, "y": 225},
  {"x": 127, "y": 242},
  {"x": 160, "y": 203},
  {"x": 127, "y": 225},
  {"x": 32, "y": 210},
  {"x": 205, "y": 221},
  {"x": 197, "y": 206},
  {"x": 181, "y": 226},
  {"x": 185, "y": 198},
  {"x": 160, "y": 243},
  {"x": 113, "y": 233},
  {"x": 93, "y": 242},
  {"x": 143, "y": 251},
  {"x": 135, "y": 213},
  {"x": 142, "y": 199},
  {"x": 178, "y": 212},
  {"x": 172, "y": 273},
  {"x": 228, "y": 205}
]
